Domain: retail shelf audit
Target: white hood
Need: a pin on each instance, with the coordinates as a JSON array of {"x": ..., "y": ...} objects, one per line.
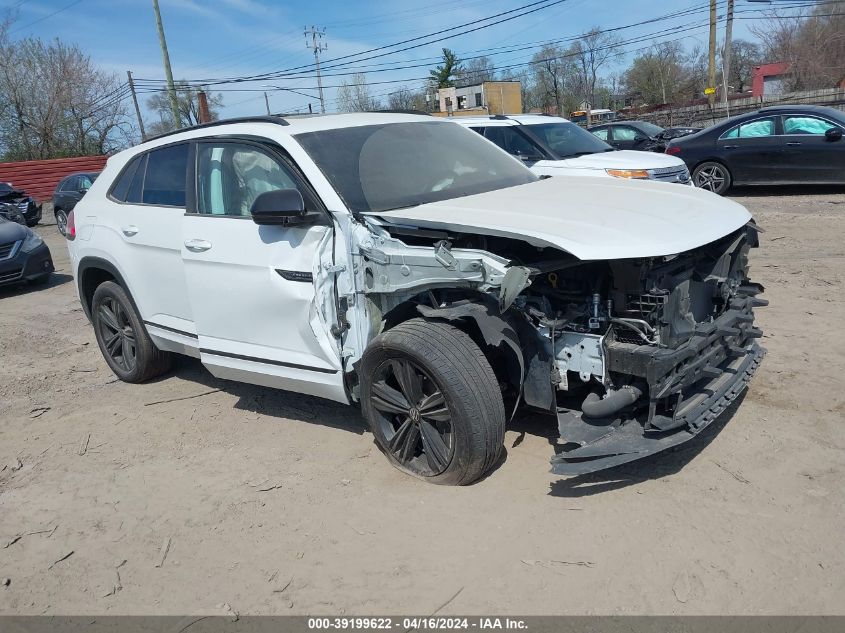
[
  {"x": 590, "y": 218},
  {"x": 623, "y": 159}
]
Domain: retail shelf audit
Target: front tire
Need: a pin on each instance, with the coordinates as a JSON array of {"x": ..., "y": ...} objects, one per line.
[
  {"x": 122, "y": 337},
  {"x": 712, "y": 176},
  {"x": 433, "y": 402}
]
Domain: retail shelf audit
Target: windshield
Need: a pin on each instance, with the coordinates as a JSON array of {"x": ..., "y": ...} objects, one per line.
[
  {"x": 649, "y": 128},
  {"x": 567, "y": 140},
  {"x": 395, "y": 165}
]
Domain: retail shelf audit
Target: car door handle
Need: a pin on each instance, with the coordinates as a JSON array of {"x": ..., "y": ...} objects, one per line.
[
  {"x": 731, "y": 146},
  {"x": 197, "y": 246},
  {"x": 793, "y": 143},
  {"x": 129, "y": 231}
]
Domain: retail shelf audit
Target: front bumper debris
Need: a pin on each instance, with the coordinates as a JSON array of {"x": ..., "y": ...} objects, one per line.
[{"x": 688, "y": 388}]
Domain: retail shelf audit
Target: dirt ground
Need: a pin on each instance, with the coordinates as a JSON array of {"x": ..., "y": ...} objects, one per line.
[{"x": 278, "y": 503}]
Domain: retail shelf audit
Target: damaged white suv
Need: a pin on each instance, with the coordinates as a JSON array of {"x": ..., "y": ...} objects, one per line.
[{"x": 406, "y": 264}]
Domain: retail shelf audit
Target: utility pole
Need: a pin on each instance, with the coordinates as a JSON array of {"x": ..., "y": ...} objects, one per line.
[
  {"x": 267, "y": 103},
  {"x": 318, "y": 47},
  {"x": 137, "y": 109},
  {"x": 711, "y": 67},
  {"x": 204, "y": 112},
  {"x": 726, "y": 55},
  {"x": 171, "y": 88}
]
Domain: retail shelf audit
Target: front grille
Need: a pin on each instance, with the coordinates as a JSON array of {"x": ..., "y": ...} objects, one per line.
[
  {"x": 7, "y": 249},
  {"x": 11, "y": 275},
  {"x": 670, "y": 174}
]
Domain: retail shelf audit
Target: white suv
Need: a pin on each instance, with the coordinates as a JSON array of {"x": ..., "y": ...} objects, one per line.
[
  {"x": 406, "y": 264},
  {"x": 554, "y": 146}
]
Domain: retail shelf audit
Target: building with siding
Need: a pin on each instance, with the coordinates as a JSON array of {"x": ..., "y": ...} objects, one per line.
[{"x": 488, "y": 97}]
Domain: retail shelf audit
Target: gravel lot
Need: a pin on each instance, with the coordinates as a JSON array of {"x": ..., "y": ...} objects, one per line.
[{"x": 242, "y": 499}]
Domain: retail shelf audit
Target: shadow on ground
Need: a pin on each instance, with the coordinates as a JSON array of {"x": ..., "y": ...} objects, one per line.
[
  {"x": 271, "y": 402},
  {"x": 786, "y": 190},
  {"x": 56, "y": 279}
]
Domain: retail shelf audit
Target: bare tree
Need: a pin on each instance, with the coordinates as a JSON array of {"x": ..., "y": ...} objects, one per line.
[
  {"x": 56, "y": 103},
  {"x": 554, "y": 79},
  {"x": 592, "y": 52},
  {"x": 187, "y": 99},
  {"x": 812, "y": 42},
  {"x": 744, "y": 57},
  {"x": 657, "y": 75},
  {"x": 478, "y": 70},
  {"x": 406, "y": 99},
  {"x": 355, "y": 96}
]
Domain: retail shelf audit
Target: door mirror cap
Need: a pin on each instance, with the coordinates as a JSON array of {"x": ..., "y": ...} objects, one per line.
[
  {"x": 279, "y": 207},
  {"x": 833, "y": 134}
]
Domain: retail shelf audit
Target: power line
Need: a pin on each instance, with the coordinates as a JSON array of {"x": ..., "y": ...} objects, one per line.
[{"x": 45, "y": 17}]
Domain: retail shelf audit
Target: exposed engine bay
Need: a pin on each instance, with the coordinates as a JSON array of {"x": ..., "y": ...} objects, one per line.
[{"x": 632, "y": 355}]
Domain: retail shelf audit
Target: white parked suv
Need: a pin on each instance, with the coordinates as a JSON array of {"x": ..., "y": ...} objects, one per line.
[
  {"x": 554, "y": 146},
  {"x": 407, "y": 265}
]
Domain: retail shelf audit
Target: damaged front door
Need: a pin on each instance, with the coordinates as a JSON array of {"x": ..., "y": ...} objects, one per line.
[{"x": 252, "y": 287}]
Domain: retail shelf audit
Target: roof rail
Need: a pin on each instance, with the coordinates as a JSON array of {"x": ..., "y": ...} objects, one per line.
[
  {"x": 402, "y": 111},
  {"x": 499, "y": 117},
  {"x": 246, "y": 119}
]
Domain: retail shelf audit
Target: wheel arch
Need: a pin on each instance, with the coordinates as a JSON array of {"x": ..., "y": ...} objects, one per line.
[
  {"x": 513, "y": 348},
  {"x": 93, "y": 271}
]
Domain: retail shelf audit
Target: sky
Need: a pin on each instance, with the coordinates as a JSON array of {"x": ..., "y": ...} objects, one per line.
[{"x": 237, "y": 38}]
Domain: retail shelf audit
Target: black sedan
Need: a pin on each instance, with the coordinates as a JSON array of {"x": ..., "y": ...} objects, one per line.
[
  {"x": 17, "y": 206},
  {"x": 771, "y": 146},
  {"x": 677, "y": 132},
  {"x": 68, "y": 192},
  {"x": 23, "y": 255},
  {"x": 639, "y": 135}
]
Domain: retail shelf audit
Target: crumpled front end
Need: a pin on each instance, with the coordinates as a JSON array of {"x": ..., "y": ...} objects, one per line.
[{"x": 671, "y": 359}]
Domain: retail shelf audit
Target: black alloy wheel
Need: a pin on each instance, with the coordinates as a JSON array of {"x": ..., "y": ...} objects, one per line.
[
  {"x": 117, "y": 333},
  {"x": 414, "y": 417}
]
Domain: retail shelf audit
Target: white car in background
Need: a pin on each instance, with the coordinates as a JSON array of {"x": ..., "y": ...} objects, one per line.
[{"x": 554, "y": 146}]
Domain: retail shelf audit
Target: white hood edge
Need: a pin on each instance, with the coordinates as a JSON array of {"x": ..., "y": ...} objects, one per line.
[
  {"x": 622, "y": 159},
  {"x": 591, "y": 218}
]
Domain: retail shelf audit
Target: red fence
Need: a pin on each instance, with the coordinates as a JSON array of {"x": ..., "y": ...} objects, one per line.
[{"x": 40, "y": 177}]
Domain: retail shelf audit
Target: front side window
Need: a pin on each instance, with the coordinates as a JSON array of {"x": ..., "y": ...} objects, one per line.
[
  {"x": 568, "y": 140},
  {"x": 394, "y": 165},
  {"x": 752, "y": 129},
  {"x": 510, "y": 140},
  {"x": 230, "y": 176},
  {"x": 806, "y": 125},
  {"x": 71, "y": 184},
  {"x": 624, "y": 133},
  {"x": 600, "y": 134},
  {"x": 164, "y": 181}
]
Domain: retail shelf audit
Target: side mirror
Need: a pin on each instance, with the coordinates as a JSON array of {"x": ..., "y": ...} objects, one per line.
[
  {"x": 529, "y": 158},
  {"x": 833, "y": 134},
  {"x": 280, "y": 207}
]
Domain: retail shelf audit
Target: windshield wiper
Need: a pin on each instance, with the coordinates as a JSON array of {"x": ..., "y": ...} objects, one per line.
[{"x": 576, "y": 154}]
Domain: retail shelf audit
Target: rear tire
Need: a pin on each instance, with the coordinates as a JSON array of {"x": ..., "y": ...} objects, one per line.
[
  {"x": 432, "y": 402},
  {"x": 712, "y": 176},
  {"x": 122, "y": 337},
  {"x": 61, "y": 221}
]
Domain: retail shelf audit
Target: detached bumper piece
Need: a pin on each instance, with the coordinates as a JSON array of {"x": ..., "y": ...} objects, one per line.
[{"x": 688, "y": 388}]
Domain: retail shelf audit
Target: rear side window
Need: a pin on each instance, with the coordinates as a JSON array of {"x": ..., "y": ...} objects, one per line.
[
  {"x": 120, "y": 190},
  {"x": 164, "y": 182}
]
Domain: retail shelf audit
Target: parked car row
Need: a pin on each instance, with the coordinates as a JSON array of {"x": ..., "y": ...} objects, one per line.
[{"x": 776, "y": 145}]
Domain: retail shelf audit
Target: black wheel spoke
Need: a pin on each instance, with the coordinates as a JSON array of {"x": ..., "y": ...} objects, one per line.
[
  {"x": 436, "y": 451},
  {"x": 113, "y": 344},
  {"x": 387, "y": 399},
  {"x": 401, "y": 438},
  {"x": 434, "y": 407},
  {"x": 108, "y": 318},
  {"x": 410, "y": 382}
]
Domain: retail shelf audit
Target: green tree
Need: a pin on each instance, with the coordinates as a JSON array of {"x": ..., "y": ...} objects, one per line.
[{"x": 445, "y": 74}]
